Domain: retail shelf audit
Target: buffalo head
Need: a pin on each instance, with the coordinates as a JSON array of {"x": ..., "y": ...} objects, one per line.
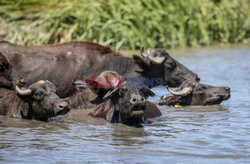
[
  {"x": 160, "y": 64},
  {"x": 8, "y": 76},
  {"x": 128, "y": 105},
  {"x": 195, "y": 93},
  {"x": 42, "y": 101}
]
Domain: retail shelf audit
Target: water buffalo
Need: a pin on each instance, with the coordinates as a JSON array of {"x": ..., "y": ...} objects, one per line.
[
  {"x": 195, "y": 93},
  {"x": 63, "y": 63},
  {"x": 38, "y": 102},
  {"x": 9, "y": 78},
  {"x": 127, "y": 106}
]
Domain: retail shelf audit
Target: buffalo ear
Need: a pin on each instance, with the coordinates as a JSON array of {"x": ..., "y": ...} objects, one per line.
[
  {"x": 140, "y": 62},
  {"x": 4, "y": 63},
  {"x": 147, "y": 92},
  {"x": 3, "y": 58}
]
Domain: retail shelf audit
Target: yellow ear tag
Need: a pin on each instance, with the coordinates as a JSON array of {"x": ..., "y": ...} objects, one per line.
[{"x": 177, "y": 105}]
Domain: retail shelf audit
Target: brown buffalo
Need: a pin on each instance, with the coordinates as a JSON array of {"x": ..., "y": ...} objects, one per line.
[
  {"x": 38, "y": 102},
  {"x": 63, "y": 63},
  {"x": 9, "y": 78},
  {"x": 195, "y": 93}
]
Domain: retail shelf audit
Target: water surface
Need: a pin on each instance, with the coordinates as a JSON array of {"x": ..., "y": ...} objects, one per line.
[{"x": 194, "y": 134}]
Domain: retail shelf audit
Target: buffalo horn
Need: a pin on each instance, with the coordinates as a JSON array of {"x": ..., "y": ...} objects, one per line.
[
  {"x": 149, "y": 56},
  {"x": 157, "y": 59},
  {"x": 143, "y": 54},
  {"x": 110, "y": 94},
  {"x": 23, "y": 92},
  {"x": 185, "y": 91}
]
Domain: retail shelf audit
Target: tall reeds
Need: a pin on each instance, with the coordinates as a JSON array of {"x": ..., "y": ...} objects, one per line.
[{"x": 126, "y": 24}]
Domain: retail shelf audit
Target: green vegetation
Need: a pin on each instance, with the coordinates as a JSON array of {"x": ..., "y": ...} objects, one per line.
[{"x": 126, "y": 24}]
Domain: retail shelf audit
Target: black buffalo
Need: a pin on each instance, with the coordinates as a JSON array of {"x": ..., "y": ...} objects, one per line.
[
  {"x": 38, "y": 102},
  {"x": 195, "y": 93},
  {"x": 126, "y": 105},
  {"x": 64, "y": 63}
]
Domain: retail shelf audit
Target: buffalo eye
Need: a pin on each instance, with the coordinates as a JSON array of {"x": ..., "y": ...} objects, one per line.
[
  {"x": 122, "y": 91},
  {"x": 202, "y": 88},
  {"x": 156, "y": 55},
  {"x": 38, "y": 95}
]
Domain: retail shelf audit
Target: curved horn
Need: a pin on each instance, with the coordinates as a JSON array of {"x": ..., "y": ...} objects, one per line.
[
  {"x": 110, "y": 94},
  {"x": 143, "y": 54},
  {"x": 124, "y": 84},
  {"x": 185, "y": 91},
  {"x": 23, "y": 92},
  {"x": 157, "y": 59},
  {"x": 149, "y": 51}
]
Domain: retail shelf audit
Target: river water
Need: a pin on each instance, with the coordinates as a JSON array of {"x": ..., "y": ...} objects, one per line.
[{"x": 193, "y": 134}]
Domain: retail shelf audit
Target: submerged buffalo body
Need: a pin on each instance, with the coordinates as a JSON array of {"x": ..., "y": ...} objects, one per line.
[
  {"x": 195, "y": 93},
  {"x": 64, "y": 63},
  {"x": 38, "y": 102}
]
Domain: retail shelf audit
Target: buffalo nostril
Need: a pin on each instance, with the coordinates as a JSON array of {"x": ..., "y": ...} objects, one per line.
[
  {"x": 142, "y": 99},
  {"x": 198, "y": 78},
  {"x": 133, "y": 100},
  {"x": 63, "y": 105},
  {"x": 22, "y": 83}
]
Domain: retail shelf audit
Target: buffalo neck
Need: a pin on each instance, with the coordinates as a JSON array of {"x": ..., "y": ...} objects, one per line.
[{"x": 124, "y": 66}]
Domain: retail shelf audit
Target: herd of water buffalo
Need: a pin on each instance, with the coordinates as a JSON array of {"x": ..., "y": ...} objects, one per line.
[{"x": 40, "y": 82}]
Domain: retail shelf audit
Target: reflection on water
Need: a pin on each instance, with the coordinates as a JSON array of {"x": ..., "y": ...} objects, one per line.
[{"x": 218, "y": 133}]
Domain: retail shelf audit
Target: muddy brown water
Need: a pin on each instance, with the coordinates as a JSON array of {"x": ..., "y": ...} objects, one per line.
[{"x": 193, "y": 134}]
